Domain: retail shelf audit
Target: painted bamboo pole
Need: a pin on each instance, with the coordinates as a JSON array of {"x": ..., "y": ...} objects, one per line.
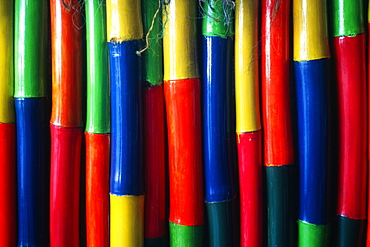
[
  {"x": 30, "y": 40},
  {"x": 248, "y": 123},
  {"x": 97, "y": 132},
  {"x": 368, "y": 133},
  {"x": 183, "y": 105},
  {"x": 124, "y": 34},
  {"x": 155, "y": 230},
  {"x": 278, "y": 140},
  {"x": 350, "y": 67},
  {"x": 65, "y": 123},
  {"x": 8, "y": 189},
  {"x": 217, "y": 30},
  {"x": 311, "y": 55}
]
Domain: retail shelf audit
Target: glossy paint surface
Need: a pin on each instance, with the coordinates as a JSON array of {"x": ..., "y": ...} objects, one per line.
[
  {"x": 66, "y": 64},
  {"x": 124, "y": 20},
  {"x": 153, "y": 56},
  {"x": 30, "y": 47},
  {"x": 179, "y": 41},
  {"x": 310, "y": 33},
  {"x": 350, "y": 232},
  {"x": 246, "y": 66},
  {"x": 215, "y": 73},
  {"x": 31, "y": 163},
  {"x": 126, "y": 161},
  {"x": 64, "y": 186},
  {"x": 8, "y": 185},
  {"x": 311, "y": 80},
  {"x": 348, "y": 19},
  {"x": 185, "y": 151},
  {"x": 350, "y": 65},
  {"x": 220, "y": 223},
  {"x": 275, "y": 78},
  {"x": 186, "y": 236},
  {"x": 280, "y": 217},
  {"x": 155, "y": 163},
  {"x": 250, "y": 182},
  {"x": 311, "y": 235},
  {"x": 218, "y": 19},
  {"x": 98, "y": 110},
  {"x": 97, "y": 189},
  {"x": 126, "y": 221},
  {"x": 6, "y": 61}
]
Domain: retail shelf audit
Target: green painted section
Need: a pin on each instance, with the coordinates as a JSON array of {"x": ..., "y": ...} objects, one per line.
[
  {"x": 349, "y": 232},
  {"x": 218, "y": 18},
  {"x": 156, "y": 242},
  {"x": 98, "y": 110},
  {"x": 220, "y": 224},
  {"x": 347, "y": 17},
  {"x": 186, "y": 236},
  {"x": 310, "y": 235},
  {"x": 30, "y": 48},
  {"x": 153, "y": 56},
  {"x": 280, "y": 218}
]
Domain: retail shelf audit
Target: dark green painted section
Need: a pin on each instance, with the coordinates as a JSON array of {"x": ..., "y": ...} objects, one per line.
[
  {"x": 156, "y": 242},
  {"x": 218, "y": 18},
  {"x": 310, "y": 235},
  {"x": 186, "y": 236},
  {"x": 279, "y": 200},
  {"x": 349, "y": 232},
  {"x": 30, "y": 48},
  {"x": 153, "y": 56},
  {"x": 347, "y": 17},
  {"x": 98, "y": 110},
  {"x": 220, "y": 223}
]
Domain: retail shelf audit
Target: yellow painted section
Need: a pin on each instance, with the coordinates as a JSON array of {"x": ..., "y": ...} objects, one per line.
[
  {"x": 6, "y": 62},
  {"x": 126, "y": 221},
  {"x": 179, "y": 41},
  {"x": 124, "y": 20},
  {"x": 246, "y": 66},
  {"x": 310, "y": 30}
]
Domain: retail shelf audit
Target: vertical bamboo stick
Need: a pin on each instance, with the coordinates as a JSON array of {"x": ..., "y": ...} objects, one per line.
[
  {"x": 65, "y": 123},
  {"x": 182, "y": 95},
  {"x": 310, "y": 54},
  {"x": 8, "y": 189},
  {"x": 124, "y": 25},
  {"x": 97, "y": 130},
  {"x": 248, "y": 123},
  {"x": 350, "y": 65},
  {"x": 278, "y": 141},
  {"x": 30, "y": 105},
  {"x": 217, "y": 31},
  {"x": 154, "y": 128}
]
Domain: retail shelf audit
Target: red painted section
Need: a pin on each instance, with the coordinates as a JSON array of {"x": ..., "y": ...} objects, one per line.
[
  {"x": 67, "y": 42},
  {"x": 97, "y": 189},
  {"x": 350, "y": 65},
  {"x": 8, "y": 186},
  {"x": 250, "y": 181},
  {"x": 368, "y": 136},
  {"x": 183, "y": 107},
  {"x": 65, "y": 186},
  {"x": 155, "y": 160},
  {"x": 278, "y": 141}
]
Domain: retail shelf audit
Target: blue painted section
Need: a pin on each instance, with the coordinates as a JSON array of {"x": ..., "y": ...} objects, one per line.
[
  {"x": 215, "y": 66},
  {"x": 311, "y": 78},
  {"x": 126, "y": 164},
  {"x": 32, "y": 153}
]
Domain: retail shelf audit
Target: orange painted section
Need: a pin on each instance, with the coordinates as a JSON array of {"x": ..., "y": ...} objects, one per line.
[
  {"x": 97, "y": 189},
  {"x": 183, "y": 107},
  {"x": 66, "y": 54}
]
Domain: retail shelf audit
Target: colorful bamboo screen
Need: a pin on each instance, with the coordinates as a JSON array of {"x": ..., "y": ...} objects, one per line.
[{"x": 184, "y": 123}]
